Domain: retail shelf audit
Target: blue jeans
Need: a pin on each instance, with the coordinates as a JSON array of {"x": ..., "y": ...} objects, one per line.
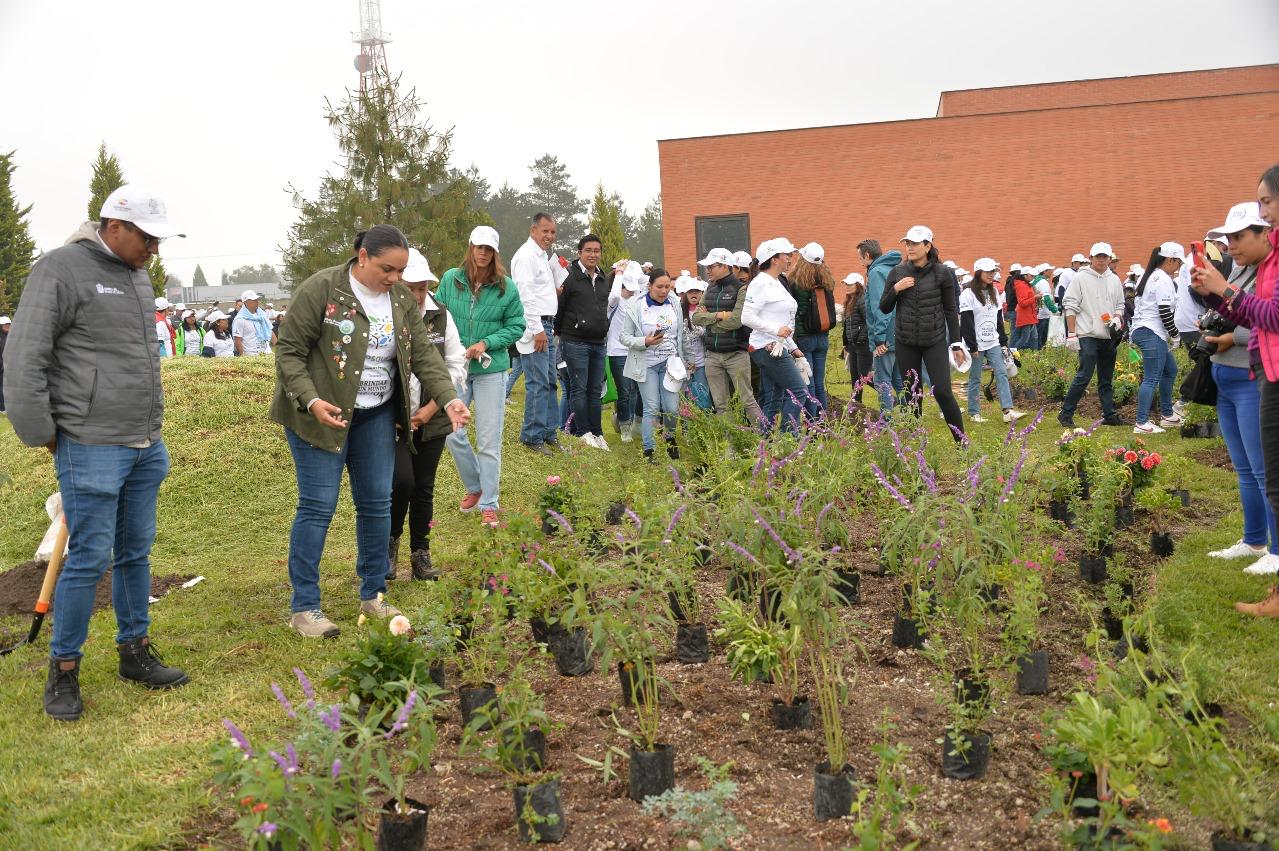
[
  {"x": 1043, "y": 331},
  {"x": 815, "y": 348},
  {"x": 1238, "y": 412},
  {"x": 888, "y": 381},
  {"x": 517, "y": 369},
  {"x": 108, "y": 499},
  {"x": 628, "y": 404},
  {"x": 994, "y": 357},
  {"x": 700, "y": 390},
  {"x": 1158, "y": 370},
  {"x": 586, "y": 385},
  {"x": 785, "y": 388},
  {"x": 480, "y": 469},
  {"x": 658, "y": 401},
  {"x": 1025, "y": 338},
  {"x": 1094, "y": 354},
  {"x": 369, "y": 458},
  {"x": 541, "y": 408}
]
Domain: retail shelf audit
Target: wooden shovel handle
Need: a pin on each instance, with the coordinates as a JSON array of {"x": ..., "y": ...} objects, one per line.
[{"x": 55, "y": 566}]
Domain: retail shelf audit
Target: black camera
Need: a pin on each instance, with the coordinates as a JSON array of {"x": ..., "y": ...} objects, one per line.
[{"x": 1211, "y": 324}]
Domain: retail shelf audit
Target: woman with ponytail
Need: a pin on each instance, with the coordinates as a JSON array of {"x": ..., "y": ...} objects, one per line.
[{"x": 1154, "y": 331}]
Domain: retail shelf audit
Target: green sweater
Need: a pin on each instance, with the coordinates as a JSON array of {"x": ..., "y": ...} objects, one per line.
[
  {"x": 322, "y": 348},
  {"x": 494, "y": 315}
]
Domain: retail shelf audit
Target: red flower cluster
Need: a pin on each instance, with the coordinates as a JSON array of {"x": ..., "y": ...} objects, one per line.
[{"x": 1136, "y": 457}]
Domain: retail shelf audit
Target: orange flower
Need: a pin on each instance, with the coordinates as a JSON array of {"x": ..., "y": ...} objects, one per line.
[
  {"x": 1162, "y": 825},
  {"x": 260, "y": 808},
  {"x": 246, "y": 800}
]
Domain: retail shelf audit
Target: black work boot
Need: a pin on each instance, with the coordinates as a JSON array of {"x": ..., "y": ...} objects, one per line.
[
  {"x": 62, "y": 690},
  {"x": 421, "y": 562},
  {"x": 140, "y": 663},
  {"x": 648, "y": 455},
  {"x": 672, "y": 448},
  {"x": 393, "y": 559}
]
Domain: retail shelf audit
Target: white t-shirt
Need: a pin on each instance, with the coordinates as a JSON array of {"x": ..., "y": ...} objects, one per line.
[
  {"x": 1063, "y": 282},
  {"x": 247, "y": 331},
  {"x": 768, "y": 308},
  {"x": 1160, "y": 290},
  {"x": 165, "y": 341},
  {"x": 985, "y": 319},
  {"x": 1186, "y": 315},
  {"x": 191, "y": 344},
  {"x": 1043, "y": 288},
  {"x": 616, "y": 307},
  {"x": 378, "y": 373},
  {"x": 655, "y": 317},
  {"x": 221, "y": 348}
]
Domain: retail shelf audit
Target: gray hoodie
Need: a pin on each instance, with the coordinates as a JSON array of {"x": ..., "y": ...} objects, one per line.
[
  {"x": 82, "y": 358},
  {"x": 1088, "y": 296}
]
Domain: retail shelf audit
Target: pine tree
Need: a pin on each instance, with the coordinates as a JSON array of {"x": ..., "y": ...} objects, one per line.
[
  {"x": 197, "y": 278},
  {"x": 552, "y": 191},
  {"x": 107, "y": 178},
  {"x": 17, "y": 248},
  {"x": 396, "y": 172},
  {"x": 606, "y": 223},
  {"x": 159, "y": 276}
]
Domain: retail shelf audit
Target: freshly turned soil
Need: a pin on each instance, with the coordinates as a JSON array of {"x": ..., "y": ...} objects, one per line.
[{"x": 20, "y": 586}]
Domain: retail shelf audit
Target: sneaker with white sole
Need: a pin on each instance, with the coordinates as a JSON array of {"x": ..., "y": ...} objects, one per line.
[
  {"x": 313, "y": 624},
  {"x": 601, "y": 443},
  {"x": 378, "y": 608},
  {"x": 1239, "y": 549},
  {"x": 1012, "y": 415},
  {"x": 1147, "y": 428},
  {"x": 1171, "y": 422},
  {"x": 1179, "y": 408},
  {"x": 977, "y": 418},
  {"x": 1268, "y": 563},
  {"x": 627, "y": 431},
  {"x": 589, "y": 440}
]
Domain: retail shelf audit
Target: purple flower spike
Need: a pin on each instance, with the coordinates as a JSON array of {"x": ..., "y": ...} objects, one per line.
[
  {"x": 799, "y": 503},
  {"x": 333, "y": 718},
  {"x": 284, "y": 701},
  {"x": 268, "y": 829},
  {"x": 635, "y": 518},
  {"x": 791, "y": 555},
  {"x": 560, "y": 519},
  {"x": 742, "y": 551},
  {"x": 307, "y": 688},
  {"x": 335, "y": 769},
  {"x": 238, "y": 737},
  {"x": 547, "y": 567},
  {"x": 679, "y": 486},
  {"x": 821, "y": 515},
  {"x": 679, "y": 512},
  {"x": 402, "y": 718},
  {"x": 892, "y": 491}
]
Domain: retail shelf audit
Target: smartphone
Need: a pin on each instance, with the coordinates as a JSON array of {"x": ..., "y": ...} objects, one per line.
[
  {"x": 1197, "y": 255},
  {"x": 486, "y": 360}
]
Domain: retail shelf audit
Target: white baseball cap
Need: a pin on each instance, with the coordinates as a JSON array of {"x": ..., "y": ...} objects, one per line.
[
  {"x": 647, "y": 264},
  {"x": 682, "y": 282},
  {"x": 695, "y": 284},
  {"x": 162, "y": 303},
  {"x": 813, "y": 252},
  {"x": 966, "y": 279},
  {"x": 632, "y": 277},
  {"x": 1101, "y": 248},
  {"x": 4, "y": 320},
  {"x": 854, "y": 278},
  {"x": 1043, "y": 267},
  {"x": 1172, "y": 250},
  {"x": 419, "y": 270},
  {"x": 1241, "y": 216},
  {"x": 146, "y": 211},
  {"x": 676, "y": 372},
  {"x": 918, "y": 233},
  {"x": 985, "y": 264},
  {"x": 1135, "y": 269},
  {"x": 770, "y": 248},
  {"x": 1220, "y": 239},
  {"x": 717, "y": 255},
  {"x": 484, "y": 235},
  {"x": 249, "y": 295},
  {"x": 215, "y": 315},
  {"x": 951, "y": 263},
  {"x": 1016, "y": 267},
  {"x": 742, "y": 259},
  {"x": 1079, "y": 258},
  {"x": 998, "y": 276}
]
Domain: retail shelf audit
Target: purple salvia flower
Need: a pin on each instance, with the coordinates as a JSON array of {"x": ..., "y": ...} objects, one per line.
[
  {"x": 679, "y": 512},
  {"x": 799, "y": 503},
  {"x": 759, "y": 463},
  {"x": 892, "y": 491},
  {"x": 238, "y": 737},
  {"x": 307, "y": 688},
  {"x": 1034, "y": 424},
  {"x": 742, "y": 551},
  {"x": 559, "y": 518},
  {"x": 1016, "y": 474},
  {"x": 333, "y": 718},
  {"x": 284, "y": 701},
  {"x": 335, "y": 769},
  {"x": 547, "y": 566},
  {"x": 402, "y": 719},
  {"x": 289, "y": 764},
  {"x": 679, "y": 486},
  {"x": 835, "y": 549},
  {"x": 635, "y": 518},
  {"x": 268, "y": 829},
  {"x": 821, "y": 515},
  {"x": 791, "y": 555}
]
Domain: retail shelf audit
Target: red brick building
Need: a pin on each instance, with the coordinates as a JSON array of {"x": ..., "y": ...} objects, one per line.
[{"x": 1020, "y": 173}]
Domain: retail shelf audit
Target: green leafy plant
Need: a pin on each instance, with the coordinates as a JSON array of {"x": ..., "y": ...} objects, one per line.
[
  {"x": 482, "y": 650},
  {"x": 703, "y": 816},
  {"x": 1025, "y": 602},
  {"x": 1161, "y": 505},
  {"x": 887, "y": 811},
  {"x": 500, "y": 731},
  {"x": 760, "y": 649},
  {"x": 559, "y": 498},
  {"x": 384, "y": 657}
]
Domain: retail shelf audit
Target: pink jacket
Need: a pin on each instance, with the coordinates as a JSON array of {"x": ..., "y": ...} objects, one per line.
[{"x": 1259, "y": 311}]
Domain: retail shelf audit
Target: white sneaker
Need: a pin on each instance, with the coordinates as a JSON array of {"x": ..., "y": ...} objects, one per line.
[
  {"x": 601, "y": 443},
  {"x": 1268, "y": 563},
  {"x": 1171, "y": 422},
  {"x": 1239, "y": 550},
  {"x": 1012, "y": 415},
  {"x": 977, "y": 418},
  {"x": 1179, "y": 408},
  {"x": 589, "y": 440},
  {"x": 627, "y": 431},
  {"x": 1147, "y": 428}
]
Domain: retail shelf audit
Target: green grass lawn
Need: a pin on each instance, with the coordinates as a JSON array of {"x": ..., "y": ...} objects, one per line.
[{"x": 135, "y": 770}]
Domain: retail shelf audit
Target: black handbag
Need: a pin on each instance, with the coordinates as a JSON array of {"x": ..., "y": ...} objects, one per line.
[{"x": 1199, "y": 386}]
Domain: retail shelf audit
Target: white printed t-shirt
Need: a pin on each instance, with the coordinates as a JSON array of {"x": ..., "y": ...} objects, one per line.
[{"x": 377, "y": 378}]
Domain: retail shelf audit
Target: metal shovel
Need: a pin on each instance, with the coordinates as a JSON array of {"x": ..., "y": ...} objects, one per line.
[{"x": 46, "y": 589}]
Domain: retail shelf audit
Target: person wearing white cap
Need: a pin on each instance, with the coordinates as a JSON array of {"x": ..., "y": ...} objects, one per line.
[
  {"x": 84, "y": 382},
  {"x": 1154, "y": 331},
  {"x": 654, "y": 337},
  {"x": 490, "y": 316},
  {"x": 856, "y": 335},
  {"x": 1093, "y": 306},
  {"x": 165, "y": 333},
  {"x": 628, "y": 406},
  {"x": 1077, "y": 261},
  {"x": 531, "y": 269},
  {"x": 728, "y": 365},
  {"x": 252, "y": 328},
  {"x": 769, "y": 311},
  {"x": 691, "y": 293},
  {"x": 5, "y": 325},
  {"x": 741, "y": 266},
  {"x": 190, "y": 340},
  {"x": 811, "y": 282},
  {"x": 923, "y": 292},
  {"x": 218, "y": 342},
  {"x": 983, "y": 331}
]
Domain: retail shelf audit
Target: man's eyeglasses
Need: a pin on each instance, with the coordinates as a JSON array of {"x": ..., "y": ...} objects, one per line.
[{"x": 151, "y": 241}]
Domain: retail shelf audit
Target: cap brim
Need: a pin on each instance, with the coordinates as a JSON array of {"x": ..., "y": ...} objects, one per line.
[{"x": 162, "y": 230}]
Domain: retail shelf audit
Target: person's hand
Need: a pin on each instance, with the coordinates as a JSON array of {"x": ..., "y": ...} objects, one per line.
[
  {"x": 904, "y": 284},
  {"x": 539, "y": 341},
  {"x": 1206, "y": 280},
  {"x": 327, "y": 414},
  {"x": 784, "y": 331},
  {"x": 880, "y": 350},
  {"x": 654, "y": 339},
  {"x": 961, "y": 357},
  {"x": 1223, "y": 342},
  {"x": 1072, "y": 342},
  {"x": 52, "y": 446},
  {"x": 724, "y": 316},
  {"x": 1174, "y": 341},
  {"x": 459, "y": 414},
  {"x": 474, "y": 351},
  {"x": 796, "y": 353},
  {"x": 423, "y": 415}
]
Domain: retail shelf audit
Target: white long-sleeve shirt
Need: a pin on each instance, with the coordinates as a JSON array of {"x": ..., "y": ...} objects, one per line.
[
  {"x": 531, "y": 271},
  {"x": 454, "y": 357},
  {"x": 768, "y": 308},
  {"x": 1187, "y": 312}
]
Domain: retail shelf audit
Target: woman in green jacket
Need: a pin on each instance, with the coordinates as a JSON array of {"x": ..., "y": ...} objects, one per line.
[
  {"x": 190, "y": 337},
  {"x": 486, "y": 306},
  {"x": 343, "y": 363}
]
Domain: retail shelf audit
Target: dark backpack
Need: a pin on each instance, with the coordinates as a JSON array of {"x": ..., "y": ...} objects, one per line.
[{"x": 821, "y": 311}]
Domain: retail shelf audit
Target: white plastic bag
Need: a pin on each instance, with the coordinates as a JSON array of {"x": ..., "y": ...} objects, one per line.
[
  {"x": 52, "y": 507},
  {"x": 1056, "y": 330}
]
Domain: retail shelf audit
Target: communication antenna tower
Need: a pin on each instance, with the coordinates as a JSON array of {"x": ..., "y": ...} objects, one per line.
[{"x": 372, "y": 41}]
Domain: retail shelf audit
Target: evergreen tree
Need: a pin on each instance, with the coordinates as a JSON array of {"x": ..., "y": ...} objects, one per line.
[
  {"x": 226, "y": 279},
  {"x": 107, "y": 178},
  {"x": 17, "y": 248},
  {"x": 396, "y": 170},
  {"x": 606, "y": 223},
  {"x": 647, "y": 242},
  {"x": 158, "y": 274},
  {"x": 197, "y": 278},
  {"x": 510, "y": 210},
  {"x": 552, "y": 191}
]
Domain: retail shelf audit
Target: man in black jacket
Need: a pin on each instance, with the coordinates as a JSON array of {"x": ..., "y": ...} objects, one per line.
[
  {"x": 581, "y": 324},
  {"x": 728, "y": 366}
]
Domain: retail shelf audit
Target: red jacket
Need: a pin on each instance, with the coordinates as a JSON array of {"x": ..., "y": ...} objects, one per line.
[
  {"x": 163, "y": 316},
  {"x": 1027, "y": 304}
]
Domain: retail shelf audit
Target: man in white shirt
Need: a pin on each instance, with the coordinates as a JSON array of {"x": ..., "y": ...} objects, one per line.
[
  {"x": 1067, "y": 275},
  {"x": 533, "y": 275},
  {"x": 252, "y": 329}
]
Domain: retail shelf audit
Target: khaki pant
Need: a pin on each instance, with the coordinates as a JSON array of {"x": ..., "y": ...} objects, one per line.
[{"x": 732, "y": 368}]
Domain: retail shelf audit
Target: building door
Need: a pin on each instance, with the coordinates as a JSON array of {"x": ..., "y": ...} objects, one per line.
[{"x": 732, "y": 232}]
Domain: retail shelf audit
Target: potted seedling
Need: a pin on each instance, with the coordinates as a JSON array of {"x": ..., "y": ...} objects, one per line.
[
  {"x": 1098, "y": 528},
  {"x": 385, "y": 655},
  {"x": 404, "y": 820},
  {"x": 483, "y": 654},
  {"x": 963, "y": 663},
  {"x": 765, "y": 650},
  {"x": 1062, "y": 488},
  {"x": 557, "y": 498},
  {"x": 1021, "y": 632},
  {"x": 1161, "y": 504}
]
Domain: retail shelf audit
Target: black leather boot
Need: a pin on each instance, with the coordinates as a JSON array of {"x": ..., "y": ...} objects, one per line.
[
  {"x": 62, "y": 690},
  {"x": 393, "y": 559},
  {"x": 141, "y": 664},
  {"x": 421, "y": 562},
  {"x": 648, "y": 455},
  {"x": 672, "y": 448}
]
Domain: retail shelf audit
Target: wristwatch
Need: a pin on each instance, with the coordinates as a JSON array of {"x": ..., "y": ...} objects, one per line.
[{"x": 1229, "y": 293}]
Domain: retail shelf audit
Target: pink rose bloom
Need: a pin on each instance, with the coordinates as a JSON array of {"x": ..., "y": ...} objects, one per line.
[{"x": 552, "y": 480}]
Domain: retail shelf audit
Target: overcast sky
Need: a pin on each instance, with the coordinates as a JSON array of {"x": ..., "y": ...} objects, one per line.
[{"x": 217, "y": 105}]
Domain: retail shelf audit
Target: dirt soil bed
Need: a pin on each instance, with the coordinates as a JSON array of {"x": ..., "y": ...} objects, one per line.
[{"x": 20, "y": 586}]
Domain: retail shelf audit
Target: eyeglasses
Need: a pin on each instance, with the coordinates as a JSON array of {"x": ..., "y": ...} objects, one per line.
[{"x": 151, "y": 241}]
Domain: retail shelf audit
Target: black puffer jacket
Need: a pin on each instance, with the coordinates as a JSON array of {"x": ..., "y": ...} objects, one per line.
[
  {"x": 928, "y": 312},
  {"x": 583, "y": 309},
  {"x": 855, "y": 332}
]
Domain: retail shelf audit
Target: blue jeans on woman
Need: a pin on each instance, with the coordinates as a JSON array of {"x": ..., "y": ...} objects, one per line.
[
  {"x": 787, "y": 388},
  {"x": 1025, "y": 338},
  {"x": 628, "y": 404},
  {"x": 1158, "y": 370},
  {"x": 108, "y": 499},
  {"x": 995, "y": 357},
  {"x": 369, "y": 458},
  {"x": 815, "y": 348},
  {"x": 700, "y": 389},
  {"x": 658, "y": 401},
  {"x": 480, "y": 469},
  {"x": 1238, "y": 414}
]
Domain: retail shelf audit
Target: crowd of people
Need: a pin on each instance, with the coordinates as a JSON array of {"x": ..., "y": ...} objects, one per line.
[{"x": 381, "y": 365}]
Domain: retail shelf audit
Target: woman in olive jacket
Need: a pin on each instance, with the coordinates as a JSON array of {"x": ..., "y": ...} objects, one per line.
[
  {"x": 343, "y": 362},
  {"x": 925, "y": 295}
]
